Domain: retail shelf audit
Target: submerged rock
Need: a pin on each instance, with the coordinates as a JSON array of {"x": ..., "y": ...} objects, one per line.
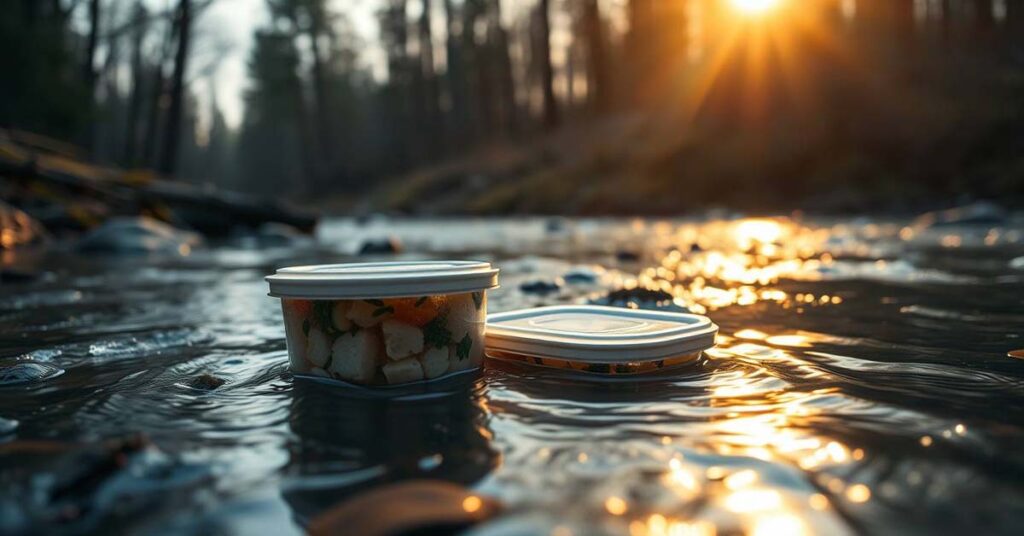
[
  {"x": 27, "y": 372},
  {"x": 138, "y": 236},
  {"x": 641, "y": 298},
  {"x": 539, "y": 287},
  {"x": 414, "y": 507},
  {"x": 7, "y": 426},
  {"x": 18, "y": 228},
  {"x": 627, "y": 256},
  {"x": 380, "y": 246},
  {"x": 979, "y": 213},
  {"x": 206, "y": 382},
  {"x": 581, "y": 275},
  {"x": 270, "y": 235}
]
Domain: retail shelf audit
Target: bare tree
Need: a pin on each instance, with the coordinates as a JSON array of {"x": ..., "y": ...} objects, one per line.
[
  {"x": 547, "y": 73},
  {"x": 172, "y": 134}
]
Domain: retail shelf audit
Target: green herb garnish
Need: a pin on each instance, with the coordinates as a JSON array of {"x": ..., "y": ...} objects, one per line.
[
  {"x": 322, "y": 316},
  {"x": 435, "y": 333},
  {"x": 478, "y": 299},
  {"x": 421, "y": 301},
  {"x": 378, "y": 303},
  {"x": 383, "y": 311},
  {"x": 463, "y": 348}
]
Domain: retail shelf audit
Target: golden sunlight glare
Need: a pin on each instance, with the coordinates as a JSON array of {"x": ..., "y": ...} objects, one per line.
[{"x": 753, "y": 7}]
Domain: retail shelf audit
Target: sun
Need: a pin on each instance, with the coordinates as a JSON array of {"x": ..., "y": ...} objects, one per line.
[{"x": 754, "y": 7}]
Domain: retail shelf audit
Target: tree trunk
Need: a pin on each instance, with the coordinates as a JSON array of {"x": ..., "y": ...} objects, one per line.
[
  {"x": 455, "y": 74},
  {"x": 323, "y": 112},
  {"x": 430, "y": 94},
  {"x": 129, "y": 155},
  {"x": 89, "y": 68},
  {"x": 597, "y": 61},
  {"x": 547, "y": 73},
  {"x": 172, "y": 135},
  {"x": 506, "y": 83}
]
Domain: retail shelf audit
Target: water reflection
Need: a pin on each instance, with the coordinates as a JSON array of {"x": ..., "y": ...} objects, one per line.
[{"x": 346, "y": 442}]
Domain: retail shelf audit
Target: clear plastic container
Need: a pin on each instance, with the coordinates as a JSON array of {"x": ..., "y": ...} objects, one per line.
[
  {"x": 379, "y": 324},
  {"x": 599, "y": 340}
]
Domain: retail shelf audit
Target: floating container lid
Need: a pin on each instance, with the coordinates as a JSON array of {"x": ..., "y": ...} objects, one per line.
[
  {"x": 382, "y": 279},
  {"x": 597, "y": 334}
]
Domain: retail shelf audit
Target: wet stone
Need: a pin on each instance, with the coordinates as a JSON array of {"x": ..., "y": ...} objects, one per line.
[
  {"x": 206, "y": 382},
  {"x": 7, "y": 426},
  {"x": 627, "y": 256},
  {"x": 138, "y": 236},
  {"x": 27, "y": 372},
  {"x": 580, "y": 276},
  {"x": 380, "y": 246},
  {"x": 539, "y": 287},
  {"x": 641, "y": 298}
]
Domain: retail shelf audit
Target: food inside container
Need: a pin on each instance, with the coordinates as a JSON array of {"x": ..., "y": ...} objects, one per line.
[
  {"x": 382, "y": 324},
  {"x": 599, "y": 340}
]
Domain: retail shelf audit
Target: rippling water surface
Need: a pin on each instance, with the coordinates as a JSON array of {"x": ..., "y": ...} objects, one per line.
[{"x": 861, "y": 384}]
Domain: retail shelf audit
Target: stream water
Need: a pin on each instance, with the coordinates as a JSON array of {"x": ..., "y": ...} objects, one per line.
[{"x": 861, "y": 384}]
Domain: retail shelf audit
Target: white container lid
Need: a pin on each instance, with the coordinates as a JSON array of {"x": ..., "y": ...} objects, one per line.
[
  {"x": 598, "y": 334},
  {"x": 382, "y": 279}
]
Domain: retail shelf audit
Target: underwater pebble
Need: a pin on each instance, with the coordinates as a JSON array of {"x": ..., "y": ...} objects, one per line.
[
  {"x": 380, "y": 245},
  {"x": 539, "y": 287},
  {"x": 641, "y": 298},
  {"x": 28, "y": 372},
  {"x": 206, "y": 382},
  {"x": 580, "y": 276},
  {"x": 7, "y": 426},
  {"x": 627, "y": 256}
]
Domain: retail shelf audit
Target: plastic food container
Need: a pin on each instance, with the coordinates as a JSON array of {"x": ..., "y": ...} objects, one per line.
[
  {"x": 385, "y": 323},
  {"x": 599, "y": 340}
]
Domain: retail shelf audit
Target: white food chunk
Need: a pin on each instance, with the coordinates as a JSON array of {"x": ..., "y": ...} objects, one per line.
[
  {"x": 434, "y": 362},
  {"x": 366, "y": 314},
  {"x": 401, "y": 340},
  {"x": 296, "y": 340},
  {"x": 404, "y": 371},
  {"x": 319, "y": 347},
  {"x": 469, "y": 354},
  {"x": 338, "y": 315},
  {"x": 355, "y": 356},
  {"x": 463, "y": 315}
]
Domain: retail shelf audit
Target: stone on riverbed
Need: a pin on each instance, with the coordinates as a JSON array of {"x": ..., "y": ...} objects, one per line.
[
  {"x": 139, "y": 236},
  {"x": 18, "y": 228},
  {"x": 641, "y": 298},
  {"x": 206, "y": 382},
  {"x": 27, "y": 372},
  {"x": 978, "y": 213},
  {"x": 380, "y": 246},
  {"x": 539, "y": 287}
]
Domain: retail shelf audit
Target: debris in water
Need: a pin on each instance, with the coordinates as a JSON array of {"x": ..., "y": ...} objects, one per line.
[
  {"x": 418, "y": 506},
  {"x": 206, "y": 382},
  {"x": 380, "y": 246},
  {"x": 641, "y": 298},
  {"x": 539, "y": 287}
]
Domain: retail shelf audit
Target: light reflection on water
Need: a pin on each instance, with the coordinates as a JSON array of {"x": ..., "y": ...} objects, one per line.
[{"x": 860, "y": 384}]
